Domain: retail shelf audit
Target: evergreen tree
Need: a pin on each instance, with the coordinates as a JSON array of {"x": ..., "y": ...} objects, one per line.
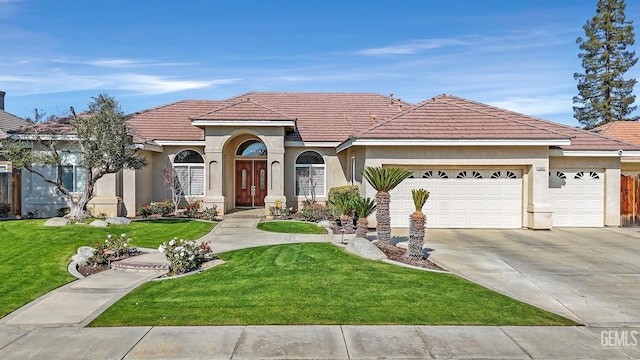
[{"x": 603, "y": 94}]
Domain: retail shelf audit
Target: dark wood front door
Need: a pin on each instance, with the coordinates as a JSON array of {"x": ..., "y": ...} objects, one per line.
[
  {"x": 629, "y": 202},
  {"x": 251, "y": 182}
]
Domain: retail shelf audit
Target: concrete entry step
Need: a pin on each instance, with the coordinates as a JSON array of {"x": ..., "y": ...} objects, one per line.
[{"x": 240, "y": 213}]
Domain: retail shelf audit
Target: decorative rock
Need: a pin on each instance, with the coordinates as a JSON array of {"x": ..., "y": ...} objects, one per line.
[
  {"x": 83, "y": 255},
  {"x": 99, "y": 223},
  {"x": 405, "y": 245},
  {"x": 364, "y": 248},
  {"x": 324, "y": 223},
  {"x": 118, "y": 221},
  {"x": 57, "y": 221}
]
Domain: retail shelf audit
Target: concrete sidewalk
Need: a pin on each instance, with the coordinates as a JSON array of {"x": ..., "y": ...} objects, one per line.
[{"x": 320, "y": 342}]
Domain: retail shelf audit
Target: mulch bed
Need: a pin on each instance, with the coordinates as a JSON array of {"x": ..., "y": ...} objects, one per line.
[
  {"x": 397, "y": 254},
  {"x": 88, "y": 270}
]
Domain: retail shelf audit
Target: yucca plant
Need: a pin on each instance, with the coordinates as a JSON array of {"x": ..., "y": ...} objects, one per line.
[
  {"x": 343, "y": 203},
  {"x": 363, "y": 208},
  {"x": 384, "y": 180},
  {"x": 416, "y": 225}
]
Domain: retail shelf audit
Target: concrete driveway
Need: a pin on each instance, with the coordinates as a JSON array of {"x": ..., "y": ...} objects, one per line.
[{"x": 589, "y": 275}]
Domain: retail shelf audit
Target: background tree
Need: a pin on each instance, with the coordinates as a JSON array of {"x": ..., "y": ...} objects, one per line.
[
  {"x": 100, "y": 137},
  {"x": 384, "y": 180},
  {"x": 603, "y": 93},
  {"x": 416, "y": 225}
]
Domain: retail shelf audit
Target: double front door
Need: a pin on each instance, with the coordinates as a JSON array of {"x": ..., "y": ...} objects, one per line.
[{"x": 251, "y": 182}]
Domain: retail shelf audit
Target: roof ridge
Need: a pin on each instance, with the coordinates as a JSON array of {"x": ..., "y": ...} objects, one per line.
[
  {"x": 567, "y": 127},
  {"x": 508, "y": 118},
  {"x": 386, "y": 121},
  {"x": 166, "y": 105},
  {"x": 240, "y": 101}
]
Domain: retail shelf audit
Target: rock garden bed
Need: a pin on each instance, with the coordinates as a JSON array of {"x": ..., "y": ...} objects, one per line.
[{"x": 397, "y": 254}]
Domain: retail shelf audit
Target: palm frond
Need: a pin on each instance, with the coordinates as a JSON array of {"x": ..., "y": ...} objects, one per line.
[
  {"x": 384, "y": 179},
  {"x": 364, "y": 206},
  {"x": 420, "y": 197}
]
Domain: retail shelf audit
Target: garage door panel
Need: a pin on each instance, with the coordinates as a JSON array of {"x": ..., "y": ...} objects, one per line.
[
  {"x": 579, "y": 201},
  {"x": 463, "y": 203}
]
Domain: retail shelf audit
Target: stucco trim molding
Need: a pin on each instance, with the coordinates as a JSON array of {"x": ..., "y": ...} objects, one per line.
[
  {"x": 180, "y": 142},
  {"x": 328, "y": 144},
  {"x": 594, "y": 153},
  {"x": 244, "y": 123}
]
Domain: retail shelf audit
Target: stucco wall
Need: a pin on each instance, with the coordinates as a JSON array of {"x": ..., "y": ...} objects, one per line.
[{"x": 336, "y": 168}]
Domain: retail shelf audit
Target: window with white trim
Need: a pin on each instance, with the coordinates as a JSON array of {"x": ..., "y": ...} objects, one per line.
[
  {"x": 353, "y": 170},
  {"x": 189, "y": 168},
  {"x": 310, "y": 174},
  {"x": 4, "y": 168},
  {"x": 74, "y": 176}
]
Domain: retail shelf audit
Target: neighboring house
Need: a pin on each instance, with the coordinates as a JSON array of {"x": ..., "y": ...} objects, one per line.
[
  {"x": 7, "y": 122},
  {"x": 627, "y": 131},
  {"x": 485, "y": 167}
]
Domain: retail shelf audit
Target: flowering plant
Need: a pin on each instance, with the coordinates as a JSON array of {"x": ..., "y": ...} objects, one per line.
[
  {"x": 192, "y": 209},
  {"x": 185, "y": 255},
  {"x": 117, "y": 244}
]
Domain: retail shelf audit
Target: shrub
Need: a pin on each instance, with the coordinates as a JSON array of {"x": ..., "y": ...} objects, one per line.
[
  {"x": 342, "y": 194},
  {"x": 209, "y": 213},
  {"x": 118, "y": 245},
  {"x": 314, "y": 212},
  {"x": 192, "y": 209},
  {"x": 278, "y": 211},
  {"x": 185, "y": 255},
  {"x": 145, "y": 211},
  {"x": 5, "y": 210}
]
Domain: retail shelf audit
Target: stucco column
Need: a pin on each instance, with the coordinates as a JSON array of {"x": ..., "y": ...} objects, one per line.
[
  {"x": 213, "y": 190},
  {"x": 539, "y": 209},
  {"x": 612, "y": 197},
  {"x": 106, "y": 201},
  {"x": 275, "y": 188},
  {"x": 129, "y": 194}
]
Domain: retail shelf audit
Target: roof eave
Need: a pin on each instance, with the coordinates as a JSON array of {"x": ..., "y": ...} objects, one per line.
[
  {"x": 595, "y": 153},
  {"x": 452, "y": 142}
]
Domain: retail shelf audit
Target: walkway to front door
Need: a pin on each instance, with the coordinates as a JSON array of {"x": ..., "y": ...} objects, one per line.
[{"x": 251, "y": 182}]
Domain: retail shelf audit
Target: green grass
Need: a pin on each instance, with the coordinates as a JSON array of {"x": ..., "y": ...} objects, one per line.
[
  {"x": 317, "y": 283},
  {"x": 34, "y": 258},
  {"x": 291, "y": 227}
]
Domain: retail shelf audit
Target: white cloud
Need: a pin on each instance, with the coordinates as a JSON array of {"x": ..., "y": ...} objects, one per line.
[
  {"x": 58, "y": 82},
  {"x": 413, "y": 47},
  {"x": 118, "y": 63},
  {"x": 537, "y": 106}
]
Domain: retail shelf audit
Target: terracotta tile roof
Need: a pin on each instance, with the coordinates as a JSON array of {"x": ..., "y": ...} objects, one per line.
[
  {"x": 326, "y": 117},
  {"x": 171, "y": 121},
  {"x": 243, "y": 110},
  {"x": 627, "y": 131},
  {"x": 450, "y": 117},
  {"x": 8, "y": 122}
]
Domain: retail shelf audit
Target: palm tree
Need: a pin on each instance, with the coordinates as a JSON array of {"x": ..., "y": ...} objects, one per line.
[
  {"x": 343, "y": 203},
  {"x": 384, "y": 180},
  {"x": 363, "y": 208},
  {"x": 416, "y": 227}
]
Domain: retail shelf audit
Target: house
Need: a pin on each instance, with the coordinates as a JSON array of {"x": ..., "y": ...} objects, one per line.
[
  {"x": 485, "y": 167},
  {"x": 7, "y": 122},
  {"x": 627, "y": 131}
]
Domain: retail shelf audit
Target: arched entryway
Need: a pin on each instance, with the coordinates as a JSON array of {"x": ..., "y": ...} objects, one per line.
[{"x": 250, "y": 174}]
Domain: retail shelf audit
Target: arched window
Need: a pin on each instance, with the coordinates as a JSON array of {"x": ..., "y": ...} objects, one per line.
[
  {"x": 310, "y": 174},
  {"x": 252, "y": 148},
  {"x": 189, "y": 168}
]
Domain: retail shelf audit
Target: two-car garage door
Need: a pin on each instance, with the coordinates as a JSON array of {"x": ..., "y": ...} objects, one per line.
[
  {"x": 477, "y": 198},
  {"x": 469, "y": 198}
]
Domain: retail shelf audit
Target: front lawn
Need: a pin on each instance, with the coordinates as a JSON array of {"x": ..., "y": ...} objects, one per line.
[
  {"x": 317, "y": 283},
  {"x": 34, "y": 258},
  {"x": 291, "y": 227}
]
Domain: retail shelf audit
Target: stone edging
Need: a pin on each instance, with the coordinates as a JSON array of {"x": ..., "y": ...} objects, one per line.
[{"x": 72, "y": 268}]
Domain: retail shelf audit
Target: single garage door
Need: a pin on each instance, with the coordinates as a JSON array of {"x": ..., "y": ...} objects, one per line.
[
  {"x": 462, "y": 199},
  {"x": 577, "y": 197}
]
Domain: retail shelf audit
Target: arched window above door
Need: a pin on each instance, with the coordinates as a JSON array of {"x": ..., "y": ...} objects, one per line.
[{"x": 252, "y": 148}]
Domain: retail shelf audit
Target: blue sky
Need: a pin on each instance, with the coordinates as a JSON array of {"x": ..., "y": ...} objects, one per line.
[{"x": 519, "y": 55}]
